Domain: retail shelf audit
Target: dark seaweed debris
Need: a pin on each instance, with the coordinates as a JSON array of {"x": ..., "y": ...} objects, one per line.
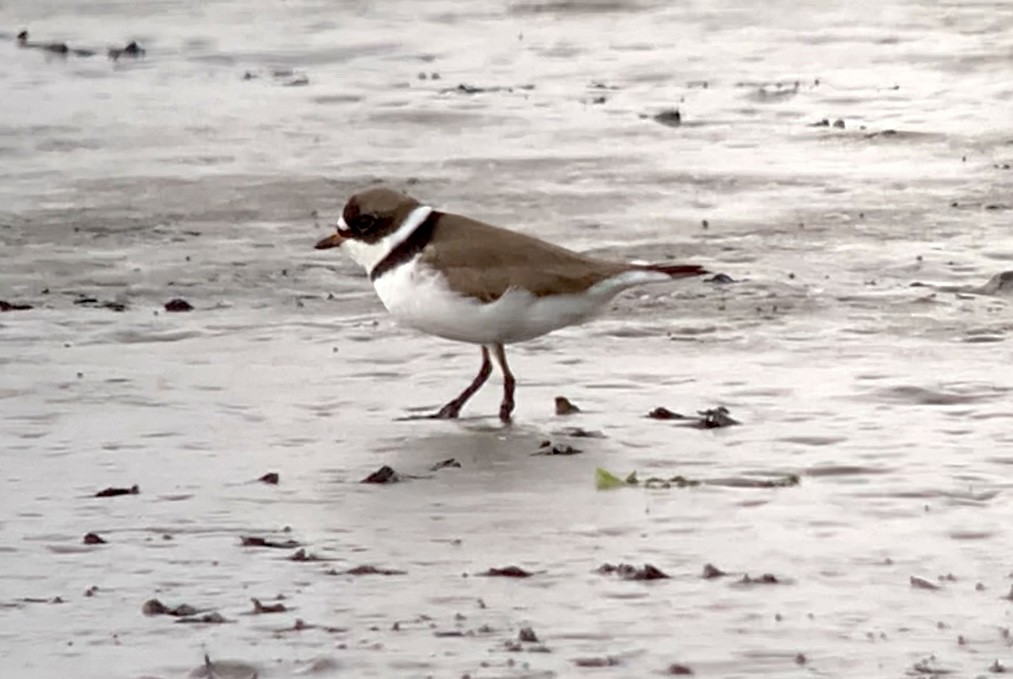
[
  {"x": 765, "y": 579},
  {"x": 384, "y": 474},
  {"x": 670, "y": 117},
  {"x": 663, "y": 413},
  {"x": 710, "y": 571},
  {"x": 598, "y": 661},
  {"x": 630, "y": 572},
  {"x": 14, "y": 306},
  {"x": 155, "y": 607},
  {"x": 550, "y": 448},
  {"x": 260, "y": 608},
  {"x": 367, "y": 570},
  {"x": 565, "y": 407},
  {"x": 507, "y": 572},
  {"x": 114, "y": 492},
  {"x": 177, "y": 305},
  {"x": 254, "y": 541},
  {"x": 448, "y": 463},
  {"x": 712, "y": 418},
  {"x": 131, "y": 49}
]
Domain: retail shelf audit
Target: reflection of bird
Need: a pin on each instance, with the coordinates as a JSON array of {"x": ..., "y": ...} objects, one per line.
[{"x": 464, "y": 280}]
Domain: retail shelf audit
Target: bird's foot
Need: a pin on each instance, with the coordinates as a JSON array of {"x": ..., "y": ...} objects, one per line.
[
  {"x": 505, "y": 409},
  {"x": 447, "y": 412}
]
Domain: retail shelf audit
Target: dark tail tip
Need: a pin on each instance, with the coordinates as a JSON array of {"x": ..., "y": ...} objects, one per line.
[{"x": 678, "y": 270}]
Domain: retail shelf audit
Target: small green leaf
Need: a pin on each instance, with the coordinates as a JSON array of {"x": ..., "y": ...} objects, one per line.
[{"x": 605, "y": 480}]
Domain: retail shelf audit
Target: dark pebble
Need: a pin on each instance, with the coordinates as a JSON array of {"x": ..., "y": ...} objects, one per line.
[
  {"x": 178, "y": 304},
  {"x": 677, "y": 670},
  {"x": 629, "y": 572},
  {"x": 93, "y": 539},
  {"x": 260, "y": 608},
  {"x": 710, "y": 571},
  {"x": 720, "y": 279},
  {"x": 270, "y": 478},
  {"x": 507, "y": 572},
  {"x": 113, "y": 492},
  {"x": 384, "y": 474},
  {"x": 565, "y": 407},
  {"x": 663, "y": 413},
  {"x": 549, "y": 448},
  {"x": 253, "y": 541},
  {"x": 370, "y": 570},
  {"x": 528, "y": 635},
  {"x": 606, "y": 661},
  {"x": 670, "y": 118}
]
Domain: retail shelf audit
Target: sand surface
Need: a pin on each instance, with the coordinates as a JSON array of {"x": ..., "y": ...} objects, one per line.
[{"x": 859, "y": 346}]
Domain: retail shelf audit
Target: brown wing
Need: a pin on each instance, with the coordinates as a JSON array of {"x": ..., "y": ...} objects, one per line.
[{"x": 484, "y": 261}]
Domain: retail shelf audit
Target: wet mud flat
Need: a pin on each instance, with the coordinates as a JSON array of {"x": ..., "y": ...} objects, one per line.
[{"x": 798, "y": 466}]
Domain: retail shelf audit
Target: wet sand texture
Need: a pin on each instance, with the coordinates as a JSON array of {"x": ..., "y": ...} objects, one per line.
[{"x": 842, "y": 168}]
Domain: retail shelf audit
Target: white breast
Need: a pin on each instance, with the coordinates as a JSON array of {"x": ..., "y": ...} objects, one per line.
[{"x": 418, "y": 296}]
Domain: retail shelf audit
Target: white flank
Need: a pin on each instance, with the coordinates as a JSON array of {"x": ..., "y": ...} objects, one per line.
[
  {"x": 368, "y": 255},
  {"x": 418, "y": 296}
]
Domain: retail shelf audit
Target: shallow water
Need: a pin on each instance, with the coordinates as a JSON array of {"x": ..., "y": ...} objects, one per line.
[{"x": 138, "y": 181}]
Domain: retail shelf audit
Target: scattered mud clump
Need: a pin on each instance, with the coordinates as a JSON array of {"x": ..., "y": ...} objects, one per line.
[
  {"x": 260, "y": 608},
  {"x": 630, "y": 572},
  {"x": 714, "y": 418},
  {"x": 677, "y": 670},
  {"x": 131, "y": 49},
  {"x": 527, "y": 635},
  {"x": 550, "y": 448},
  {"x": 581, "y": 433},
  {"x": 214, "y": 618},
  {"x": 384, "y": 474},
  {"x": 765, "y": 579},
  {"x": 669, "y": 118},
  {"x": 922, "y": 583},
  {"x": 153, "y": 607},
  {"x": 448, "y": 463},
  {"x": 255, "y": 541},
  {"x": 94, "y": 539},
  {"x": 367, "y": 570},
  {"x": 507, "y": 572},
  {"x": 302, "y": 555},
  {"x": 270, "y": 478},
  {"x": 663, "y": 413},
  {"x": 565, "y": 407},
  {"x": 177, "y": 305},
  {"x": 710, "y": 572},
  {"x": 602, "y": 661},
  {"x": 114, "y": 492}
]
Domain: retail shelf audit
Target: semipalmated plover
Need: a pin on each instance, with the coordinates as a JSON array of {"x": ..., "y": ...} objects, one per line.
[{"x": 464, "y": 280}]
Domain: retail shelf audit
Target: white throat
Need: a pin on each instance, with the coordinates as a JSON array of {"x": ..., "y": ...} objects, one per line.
[{"x": 368, "y": 255}]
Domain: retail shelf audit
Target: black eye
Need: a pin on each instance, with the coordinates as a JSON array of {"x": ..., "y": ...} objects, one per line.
[{"x": 362, "y": 223}]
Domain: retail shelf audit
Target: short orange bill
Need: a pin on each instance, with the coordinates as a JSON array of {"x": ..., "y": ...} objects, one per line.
[{"x": 333, "y": 241}]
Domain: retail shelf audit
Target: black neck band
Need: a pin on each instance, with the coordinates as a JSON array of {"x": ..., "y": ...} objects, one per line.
[{"x": 411, "y": 246}]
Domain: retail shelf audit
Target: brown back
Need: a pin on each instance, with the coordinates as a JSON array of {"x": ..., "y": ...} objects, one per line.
[{"x": 484, "y": 261}]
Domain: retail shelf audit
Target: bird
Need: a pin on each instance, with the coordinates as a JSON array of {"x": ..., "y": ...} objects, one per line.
[{"x": 464, "y": 280}]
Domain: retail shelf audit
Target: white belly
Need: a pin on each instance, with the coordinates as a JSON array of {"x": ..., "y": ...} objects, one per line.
[{"x": 418, "y": 297}]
